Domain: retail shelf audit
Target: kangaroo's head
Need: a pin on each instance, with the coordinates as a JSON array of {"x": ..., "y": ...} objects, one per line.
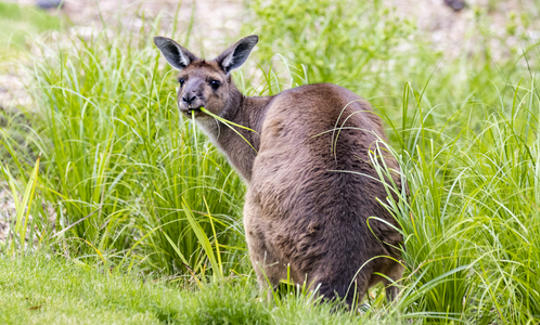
[{"x": 205, "y": 83}]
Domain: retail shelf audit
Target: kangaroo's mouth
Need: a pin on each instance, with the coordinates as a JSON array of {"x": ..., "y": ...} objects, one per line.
[{"x": 192, "y": 109}]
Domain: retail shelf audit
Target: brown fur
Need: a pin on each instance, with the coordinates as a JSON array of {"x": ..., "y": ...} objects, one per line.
[{"x": 304, "y": 209}]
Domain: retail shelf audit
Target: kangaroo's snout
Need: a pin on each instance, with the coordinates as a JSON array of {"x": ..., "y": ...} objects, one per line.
[
  {"x": 188, "y": 98},
  {"x": 191, "y": 96}
]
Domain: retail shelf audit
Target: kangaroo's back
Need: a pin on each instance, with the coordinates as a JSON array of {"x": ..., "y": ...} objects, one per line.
[
  {"x": 313, "y": 139},
  {"x": 313, "y": 188}
]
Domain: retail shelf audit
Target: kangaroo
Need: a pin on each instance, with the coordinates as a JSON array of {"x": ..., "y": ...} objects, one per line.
[{"x": 310, "y": 188}]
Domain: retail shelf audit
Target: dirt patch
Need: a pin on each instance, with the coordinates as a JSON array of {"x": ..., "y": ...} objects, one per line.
[
  {"x": 7, "y": 210},
  {"x": 508, "y": 23},
  {"x": 213, "y": 21}
]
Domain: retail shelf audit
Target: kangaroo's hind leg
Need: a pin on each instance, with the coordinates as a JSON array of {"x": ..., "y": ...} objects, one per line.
[
  {"x": 340, "y": 281},
  {"x": 394, "y": 272},
  {"x": 387, "y": 271},
  {"x": 268, "y": 267}
]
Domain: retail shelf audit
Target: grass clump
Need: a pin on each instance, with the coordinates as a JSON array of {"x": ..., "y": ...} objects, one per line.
[
  {"x": 119, "y": 170},
  {"x": 343, "y": 42}
]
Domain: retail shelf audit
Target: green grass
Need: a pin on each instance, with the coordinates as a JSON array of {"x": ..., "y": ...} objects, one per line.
[
  {"x": 137, "y": 189},
  {"x": 126, "y": 180},
  {"x": 19, "y": 24},
  {"x": 37, "y": 289}
]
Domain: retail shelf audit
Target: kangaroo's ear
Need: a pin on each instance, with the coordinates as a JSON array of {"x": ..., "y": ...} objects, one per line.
[
  {"x": 236, "y": 55},
  {"x": 177, "y": 56}
]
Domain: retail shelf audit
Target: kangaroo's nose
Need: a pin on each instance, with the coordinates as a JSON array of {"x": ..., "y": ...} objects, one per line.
[{"x": 188, "y": 98}]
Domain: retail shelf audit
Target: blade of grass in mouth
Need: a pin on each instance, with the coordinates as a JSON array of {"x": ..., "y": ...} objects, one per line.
[
  {"x": 194, "y": 132},
  {"x": 230, "y": 125}
]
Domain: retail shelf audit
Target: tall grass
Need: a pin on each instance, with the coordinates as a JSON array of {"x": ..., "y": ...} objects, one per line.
[
  {"x": 466, "y": 135},
  {"x": 119, "y": 164},
  {"x": 470, "y": 227},
  {"x": 137, "y": 187}
]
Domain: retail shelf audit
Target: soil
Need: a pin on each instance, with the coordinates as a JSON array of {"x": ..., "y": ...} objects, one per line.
[{"x": 458, "y": 33}]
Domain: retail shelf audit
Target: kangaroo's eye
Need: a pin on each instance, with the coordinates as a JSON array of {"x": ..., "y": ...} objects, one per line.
[
  {"x": 215, "y": 84},
  {"x": 181, "y": 81}
]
